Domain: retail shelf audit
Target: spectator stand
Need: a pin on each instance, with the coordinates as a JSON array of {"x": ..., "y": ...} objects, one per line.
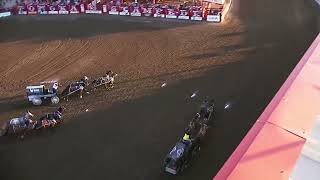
[{"x": 196, "y": 11}]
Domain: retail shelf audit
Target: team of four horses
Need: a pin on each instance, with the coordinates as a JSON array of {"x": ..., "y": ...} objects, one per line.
[{"x": 38, "y": 94}]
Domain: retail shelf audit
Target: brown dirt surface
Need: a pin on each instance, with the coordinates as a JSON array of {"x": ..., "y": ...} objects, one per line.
[{"x": 128, "y": 130}]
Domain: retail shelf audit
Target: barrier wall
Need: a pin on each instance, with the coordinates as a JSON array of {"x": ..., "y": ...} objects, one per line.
[
  {"x": 5, "y": 14},
  {"x": 273, "y": 144},
  {"x": 194, "y": 13}
]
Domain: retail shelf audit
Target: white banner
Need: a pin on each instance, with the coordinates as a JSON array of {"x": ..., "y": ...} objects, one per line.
[
  {"x": 93, "y": 12},
  {"x": 213, "y": 18},
  {"x": 5, "y": 14},
  {"x": 197, "y": 16},
  {"x": 216, "y": 1},
  {"x": 104, "y": 8},
  {"x": 171, "y": 14},
  {"x": 52, "y": 10}
]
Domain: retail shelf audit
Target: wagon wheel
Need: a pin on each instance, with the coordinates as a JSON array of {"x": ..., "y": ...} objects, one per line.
[
  {"x": 37, "y": 102},
  {"x": 55, "y": 100}
]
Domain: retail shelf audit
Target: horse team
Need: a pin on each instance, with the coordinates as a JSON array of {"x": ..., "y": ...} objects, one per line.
[{"x": 20, "y": 126}]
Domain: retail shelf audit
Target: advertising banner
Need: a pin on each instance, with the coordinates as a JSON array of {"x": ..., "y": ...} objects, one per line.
[
  {"x": 196, "y": 16},
  {"x": 184, "y": 14},
  {"x": 124, "y": 11},
  {"x": 114, "y": 10},
  {"x": 147, "y": 11},
  {"x": 63, "y": 9},
  {"x": 32, "y": 10},
  {"x": 215, "y": 1},
  {"x": 213, "y": 18},
  {"x": 42, "y": 9},
  {"x": 82, "y": 9},
  {"x": 92, "y": 9},
  {"x": 22, "y": 10},
  {"x": 53, "y": 10},
  {"x": 104, "y": 8},
  {"x": 74, "y": 9},
  {"x": 5, "y": 14},
  {"x": 157, "y": 12},
  {"x": 171, "y": 14},
  {"x": 136, "y": 11}
]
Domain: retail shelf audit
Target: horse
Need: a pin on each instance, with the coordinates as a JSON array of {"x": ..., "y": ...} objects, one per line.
[
  {"x": 107, "y": 80},
  {"x": 75, "y": 87},
  {"x": 50, "y": 119},
  {"x": 18, "y": 126}
]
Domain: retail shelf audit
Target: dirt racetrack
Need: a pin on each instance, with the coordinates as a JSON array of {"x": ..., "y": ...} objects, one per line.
[{"x": 128, "y": 131}]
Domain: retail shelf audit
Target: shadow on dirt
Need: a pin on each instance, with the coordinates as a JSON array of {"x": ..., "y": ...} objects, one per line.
[
  {"x": 129, "y": 140},
  {"x": 46, "y": 28}
]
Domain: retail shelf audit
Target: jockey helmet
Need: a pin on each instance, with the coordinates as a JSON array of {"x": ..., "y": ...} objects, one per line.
[{"x": 186, "y": 137}]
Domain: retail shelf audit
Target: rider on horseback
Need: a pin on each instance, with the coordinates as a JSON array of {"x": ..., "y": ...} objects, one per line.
[
  {"x": 204, "y": 110},
  {"x": 106, "y": 79},
  {"x": 111, "y": 75},
  {"x": 83, "y": 81},
  {"x": 55, "y": 87},
  {"x": 27, "y": 119}
]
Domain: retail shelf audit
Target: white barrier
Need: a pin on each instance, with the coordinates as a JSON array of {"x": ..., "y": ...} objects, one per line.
[
  {"x": 215, "y": 1},
  {"x": 5, "y": 14},
  {"x": 213, "y": 18},
  {"x": 171, "y": 14},
  {"x": 53, "y": 12},
  {"x": 93, "y": 12}
]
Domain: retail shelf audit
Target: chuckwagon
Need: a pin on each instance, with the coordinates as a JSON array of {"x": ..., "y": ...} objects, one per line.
[{"x": 39, "y": 93}]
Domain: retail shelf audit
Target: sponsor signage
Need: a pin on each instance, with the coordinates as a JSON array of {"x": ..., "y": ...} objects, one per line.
[{"x": 213, "y": 18}]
